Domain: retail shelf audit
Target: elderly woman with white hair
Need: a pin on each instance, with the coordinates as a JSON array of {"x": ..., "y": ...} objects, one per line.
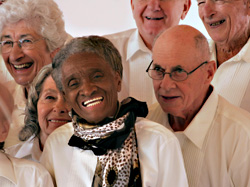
[{"x": 31, "y": 32}]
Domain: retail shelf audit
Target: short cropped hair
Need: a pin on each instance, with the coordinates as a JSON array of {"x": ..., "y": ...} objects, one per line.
[
  {"x": 31, "y": 126},
  {"x": 43, "y": 16},
  {"x": 100, "y": 46}
]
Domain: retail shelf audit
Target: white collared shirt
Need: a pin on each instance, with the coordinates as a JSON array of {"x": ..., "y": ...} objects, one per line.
[
  {"x": 215, "y": 145},
  {"x": 16, "y": 172},
  {"x": 136, "y": 58},
  {"x": 160, "y": 157},
  {"x": 17, "y": 124},
  {"x": 232, "y": 78},
  {"x": 29, "y": 149}
]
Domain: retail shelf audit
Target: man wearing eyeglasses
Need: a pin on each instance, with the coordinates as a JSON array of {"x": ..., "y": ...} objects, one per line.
[{"x": 214, "y": 135}]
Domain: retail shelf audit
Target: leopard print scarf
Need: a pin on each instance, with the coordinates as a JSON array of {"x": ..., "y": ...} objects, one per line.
[{"x": 115, "y": 145}]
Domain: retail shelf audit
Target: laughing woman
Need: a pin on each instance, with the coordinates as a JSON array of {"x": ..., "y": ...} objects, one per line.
[
  {"x": 31, "y": 32},
  {"x": 46, "y": 110},
  {"x": 110, "y": 144}
]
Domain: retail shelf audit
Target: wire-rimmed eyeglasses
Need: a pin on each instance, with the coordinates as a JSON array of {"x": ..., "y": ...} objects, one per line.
[
  {"x": 24, "y": 43},
  {"x": 177, "y": 74}
]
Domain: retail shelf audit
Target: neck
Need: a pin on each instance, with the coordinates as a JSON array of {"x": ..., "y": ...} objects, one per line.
[
  {"x": 228, "y": 50},
  {"x": 148, "y": 40},
  {"x": 42, "y": 138}
]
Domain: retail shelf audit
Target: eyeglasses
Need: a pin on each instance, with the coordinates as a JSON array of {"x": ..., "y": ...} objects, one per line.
[
  {"x": 25, "y": 43},
  {"x": 178, "y": 74}
]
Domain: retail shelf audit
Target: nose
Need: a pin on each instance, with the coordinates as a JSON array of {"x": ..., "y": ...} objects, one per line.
[
  {"x": 16, "y": 53},
  {"x": 154, "y": 5},
  {"x": 207, "y": 9},
  {"x": 87, "y": 88},
  {"x": 61, "y": 106},
  {"x": 167, "y": 83}
]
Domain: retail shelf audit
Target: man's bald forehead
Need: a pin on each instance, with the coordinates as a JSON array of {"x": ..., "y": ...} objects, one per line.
[{"x": 184, "y": 36}]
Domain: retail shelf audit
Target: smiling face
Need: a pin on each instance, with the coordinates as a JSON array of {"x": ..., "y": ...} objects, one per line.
[
  {"x": 23, "y": 65},
  {"x": 91, "y": 86},
  {"x": 52, "y": 108},
  {"x": 225, "y": 20},
  {"x": 154, "y": 16}
]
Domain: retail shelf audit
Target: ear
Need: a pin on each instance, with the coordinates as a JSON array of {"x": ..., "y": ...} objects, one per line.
[
  {"x": 4, "y": 130},
  {"x": 119, "y": 81},
  {"x": 211, "y": 69},
  {"x": 187, "y": 5},
  {"x": 132, "y": 5},
  {"x": 53, "y": 53},
  {"x": 248, "y": 7}
]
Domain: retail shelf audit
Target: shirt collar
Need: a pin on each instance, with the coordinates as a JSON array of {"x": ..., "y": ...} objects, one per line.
[
  {"x": 31, "y": 147},
  {"x": 135, "y": 44},
  {"x": 243, "y": 54},
  {"x": 6, "y": 169},
  {"x": 199, "y": 126}
]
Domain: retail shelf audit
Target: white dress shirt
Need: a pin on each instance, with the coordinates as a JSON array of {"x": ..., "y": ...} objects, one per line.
[
  {"x": 232, "y": 79},
  {"x": 159, "y": 152},
  {"x": 136, "y": 57},
  {"x": 215, "y": 145},
  {"x": 17, "y": 124},
  {"x": 16, "y": 172},
  {"x": 29, "y": 149}
]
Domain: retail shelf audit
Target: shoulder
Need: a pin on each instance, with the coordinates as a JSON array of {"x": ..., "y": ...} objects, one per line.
[
  {"x": 61, "y": 134},
  {"x": 120, "y": 35},
  {"x": 149, "y": 130},
  {"x": 230, "y": 115},
  {"x": 29, "y": 167}
]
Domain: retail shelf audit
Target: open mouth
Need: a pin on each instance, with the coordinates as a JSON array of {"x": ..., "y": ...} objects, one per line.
[
  {"x": 170, "y": 98},
  {"x": 217, "y": 23},
  {"x": 22, "y": 66},
  {"x": 93, "y": 102},
  {"x": 149, "y": 18},
  {"x": 59, "y": 121}
]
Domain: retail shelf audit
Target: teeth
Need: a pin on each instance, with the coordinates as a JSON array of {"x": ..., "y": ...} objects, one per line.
[
  {"x": 59, "y": 121},
  {"x": 93, "y": 102},
  {"x": 22, "y": 66},
  {"x": 217, "y": 23}
]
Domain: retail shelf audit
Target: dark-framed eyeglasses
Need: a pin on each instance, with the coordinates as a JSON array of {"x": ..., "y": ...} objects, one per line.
[
  {"x": 24, "y": 43},
  {"x": 178, "y": 74}
]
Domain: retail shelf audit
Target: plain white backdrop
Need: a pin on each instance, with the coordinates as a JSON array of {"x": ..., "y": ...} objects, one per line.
[{"x": 87, "y": 17}]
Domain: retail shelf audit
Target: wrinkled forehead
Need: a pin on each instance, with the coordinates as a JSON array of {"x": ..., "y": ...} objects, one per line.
[{"x": 20, "y": 29}]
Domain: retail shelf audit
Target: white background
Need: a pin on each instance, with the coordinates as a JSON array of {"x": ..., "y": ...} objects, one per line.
[{"x": 87, "y": 17}]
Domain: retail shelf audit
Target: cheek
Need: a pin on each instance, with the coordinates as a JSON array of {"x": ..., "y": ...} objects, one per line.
[
  {"x": 42, "y": 112},
  {"x": 71, "y": 98},
  {"x": 156, "y": 85},
  {"x": 40, "y": 58},
  {"x": 138, "y": 9}
]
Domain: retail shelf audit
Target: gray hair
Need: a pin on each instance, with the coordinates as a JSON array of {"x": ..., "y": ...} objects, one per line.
[
  {"x": 43, "y": 16},
  {"x": 100, "y": 46},
  {"x": 31, "y": 116}
]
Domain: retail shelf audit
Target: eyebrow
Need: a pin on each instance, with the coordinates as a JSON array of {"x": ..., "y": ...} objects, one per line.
[
  {"x": 172, "y": 68},
  {"x": 176, "y": 68},
  {"x": 22, "y": 36},
  {"x": 48, "y": 91}
]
